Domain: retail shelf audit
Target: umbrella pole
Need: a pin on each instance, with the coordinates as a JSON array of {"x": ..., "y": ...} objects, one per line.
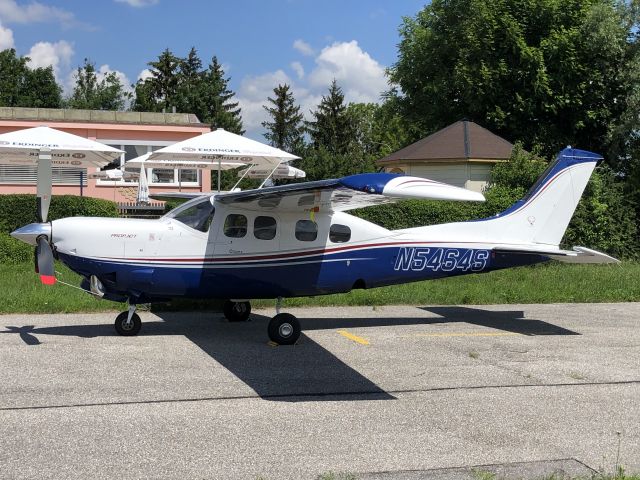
[
  {"x": 242, "y": 177},
  {"x": 219, "y": 175}
]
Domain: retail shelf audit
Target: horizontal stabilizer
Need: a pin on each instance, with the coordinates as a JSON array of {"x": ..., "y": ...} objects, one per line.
[{"x": 577, "y": 255}]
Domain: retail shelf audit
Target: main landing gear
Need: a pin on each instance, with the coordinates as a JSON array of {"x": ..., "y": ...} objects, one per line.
[
  {"x": 283, "y": 329},
  {"x": 128, "y": 323},
  {"x": 236, "y": 311}
]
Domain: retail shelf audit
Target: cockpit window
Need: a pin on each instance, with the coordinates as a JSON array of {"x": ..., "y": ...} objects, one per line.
[{"x": 198, "y": 215}]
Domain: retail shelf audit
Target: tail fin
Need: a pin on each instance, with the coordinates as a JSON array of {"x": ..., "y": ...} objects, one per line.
[{"x": 543, "y": 215}]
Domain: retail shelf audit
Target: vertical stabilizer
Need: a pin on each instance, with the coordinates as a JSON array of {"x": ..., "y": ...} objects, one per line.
[{"x": 543, "y": 215}]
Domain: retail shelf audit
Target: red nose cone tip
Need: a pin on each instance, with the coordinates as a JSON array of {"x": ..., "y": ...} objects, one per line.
[{"x": 47, "y": 279}]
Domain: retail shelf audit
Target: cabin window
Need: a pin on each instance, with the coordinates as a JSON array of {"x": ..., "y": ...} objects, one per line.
[
  {"x": 339, "y": 233},
  {"x": 306, "y": 230},
  {"x": 198, "y": 216},
  {"x": 235, "y": 226},
  {"x": 264, "y": 228}
]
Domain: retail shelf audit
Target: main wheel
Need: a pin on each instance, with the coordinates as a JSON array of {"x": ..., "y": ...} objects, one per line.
[
  {"x": 284, "y": 329},
  {"x": 236, "y": 311},
  {"x": 128, "y": 329}
]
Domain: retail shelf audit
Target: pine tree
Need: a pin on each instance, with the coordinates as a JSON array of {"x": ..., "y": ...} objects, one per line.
[
  {"x": 190, "y": 97},
  {"x": 332, "y": 128},
  {"x": 286, "y": 129},
  {"x": 220, "y": 112},
  {"x": 159, "y": 92}
]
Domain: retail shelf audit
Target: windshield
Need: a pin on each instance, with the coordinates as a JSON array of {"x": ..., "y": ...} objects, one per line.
[{"x": 197, "y": 214}]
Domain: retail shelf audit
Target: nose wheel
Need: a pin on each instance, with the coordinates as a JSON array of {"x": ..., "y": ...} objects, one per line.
[
  {"x": 128, "y": 324},
  {"x": 236, "y": 311}
]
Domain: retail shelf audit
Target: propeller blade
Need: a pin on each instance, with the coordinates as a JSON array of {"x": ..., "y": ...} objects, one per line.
[
  {"x": 46, "y": 267},
  {"x": 44, "y": 185}
]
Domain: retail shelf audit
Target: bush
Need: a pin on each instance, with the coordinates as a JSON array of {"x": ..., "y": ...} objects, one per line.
[
  {"x": 14, "y": 251},
  {"x": 20, "y": 209}
]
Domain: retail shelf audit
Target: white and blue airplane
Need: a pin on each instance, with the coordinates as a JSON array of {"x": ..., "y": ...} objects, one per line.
[{"x": 296, "y": 240}]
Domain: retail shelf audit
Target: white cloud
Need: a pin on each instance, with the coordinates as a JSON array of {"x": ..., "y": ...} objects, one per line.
[
  {"x": 6, "y": 38},
  {"x": 139, "y": 3},
  {"x": 360, "y": 76},
  {"x": 253, "y": 94},
  {"x": 299, "y": 69},
  {"x": 303, "y": 47},
  {"x": 58, "y": 55},
  {"x": 34, "y": 12},
  {"x": 144, "y": 74}
]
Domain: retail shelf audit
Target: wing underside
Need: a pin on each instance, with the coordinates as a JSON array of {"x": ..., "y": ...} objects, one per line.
[{"x": 348, "y": 193}]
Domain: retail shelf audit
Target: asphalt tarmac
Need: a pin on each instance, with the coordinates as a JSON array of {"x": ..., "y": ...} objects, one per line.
[{"x": 383, "y": 393}]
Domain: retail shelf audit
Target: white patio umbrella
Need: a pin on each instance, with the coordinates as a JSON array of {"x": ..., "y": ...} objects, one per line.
[
  {"x": 221, "y": 146},
  {"x": 44, "y": 147}
]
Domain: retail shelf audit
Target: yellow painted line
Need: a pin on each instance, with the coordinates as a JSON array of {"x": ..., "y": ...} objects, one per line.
[
  {"x": 355, "y": 338},
  {"x": 461, "y": 334}
]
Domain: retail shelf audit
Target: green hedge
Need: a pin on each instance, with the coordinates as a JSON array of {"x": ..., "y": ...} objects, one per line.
[
  {"x": 18, "y": 210},
  {"x": 14, "y": 251}
]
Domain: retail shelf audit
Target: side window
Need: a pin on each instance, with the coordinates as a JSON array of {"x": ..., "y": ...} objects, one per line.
[
  {"x": 235, "y": 226},
  {"x": 339, "y": 233},
  {"x": 306, "y": 230},
  {"x": 264, "y": 228}
]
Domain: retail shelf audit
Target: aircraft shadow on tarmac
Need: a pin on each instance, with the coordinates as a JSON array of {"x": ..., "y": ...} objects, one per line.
[{"x": 305, "y": 372}]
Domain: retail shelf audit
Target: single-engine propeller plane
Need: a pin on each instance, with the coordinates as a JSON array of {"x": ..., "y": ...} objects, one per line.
[{"x": 297, "y": 240}]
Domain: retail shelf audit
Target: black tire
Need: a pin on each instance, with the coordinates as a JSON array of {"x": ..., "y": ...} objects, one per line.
[
  {"x": 128, "y": 331},
  {"x": 236, "y": 311},
  {"x": 284, "y": 329}
]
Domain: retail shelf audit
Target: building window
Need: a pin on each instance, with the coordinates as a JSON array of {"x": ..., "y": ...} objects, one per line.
[
  {"x": 264, "y": 228},
  {"x": 306, "y": 230},
  {"x": 235, "y": 226},
  {"x": 155, "y": 176},
  {"x": 339, "y": 233}
]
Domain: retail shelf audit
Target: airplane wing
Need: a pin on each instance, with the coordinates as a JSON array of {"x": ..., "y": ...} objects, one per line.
[
  {"x": 179, "y": 196},
  {"x": 577, "y": 255},
  {"x": 347, "y": 193}
]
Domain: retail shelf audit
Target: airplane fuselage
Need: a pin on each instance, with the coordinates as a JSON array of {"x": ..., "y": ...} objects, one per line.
[{"x": 270, "y": 255}]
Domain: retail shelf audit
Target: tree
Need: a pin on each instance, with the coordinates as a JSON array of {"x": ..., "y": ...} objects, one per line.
[
  {"x": 220, "y": 111},
  {"x": 189, "y": 90},
  {"x": 547, "y": 72},
  {"x": 159, "y": 91},
  {"x": 331, "y": 127},
  {"x": 286, "y": 129},
  {"x": 92, "y": 93},
  {"x": 21, "y": 86}
]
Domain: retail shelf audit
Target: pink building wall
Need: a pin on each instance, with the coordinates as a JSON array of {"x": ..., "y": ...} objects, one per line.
[{"x": 121, "y": 193}]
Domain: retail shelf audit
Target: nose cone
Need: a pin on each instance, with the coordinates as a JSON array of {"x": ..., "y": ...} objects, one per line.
[{"x": 30, "y": 233}]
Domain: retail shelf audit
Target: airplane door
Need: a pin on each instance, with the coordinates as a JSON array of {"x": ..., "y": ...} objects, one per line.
[{"x": 242, "y": 233}]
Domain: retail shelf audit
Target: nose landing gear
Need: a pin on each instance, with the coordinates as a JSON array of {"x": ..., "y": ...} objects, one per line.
[{"x": 128, "y": 323}]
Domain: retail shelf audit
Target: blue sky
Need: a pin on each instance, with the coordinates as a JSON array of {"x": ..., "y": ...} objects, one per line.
[{"x": 261, "y": 43}]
